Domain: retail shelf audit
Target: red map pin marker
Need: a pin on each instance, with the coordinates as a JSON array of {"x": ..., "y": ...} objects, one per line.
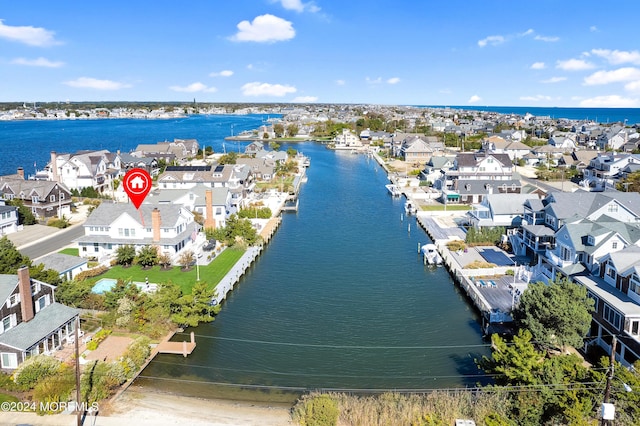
[{"x": 137, "y": 184}]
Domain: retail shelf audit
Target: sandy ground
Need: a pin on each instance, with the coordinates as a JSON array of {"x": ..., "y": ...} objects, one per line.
[{"x": 143, "y": 408}]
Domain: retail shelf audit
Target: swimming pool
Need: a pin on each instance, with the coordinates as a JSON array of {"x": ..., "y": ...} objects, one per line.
[{"x": 103, "y": 285}]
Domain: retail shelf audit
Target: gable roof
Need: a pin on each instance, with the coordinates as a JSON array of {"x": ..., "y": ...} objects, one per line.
[
  {"x": 106, "y": 213},
  {"x": 61, "y": 262},
  {"x": 508, "y": 203},
  {"x": 8, "y": 284}
]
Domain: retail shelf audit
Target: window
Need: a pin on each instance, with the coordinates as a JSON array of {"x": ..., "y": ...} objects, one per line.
[
  {"x": 612, "y": 316},
  {"x": 35, "y": 199},
  {"x": 6, "y": 323},
  {"x": 614, "y": 245},
  {"x": 35, "y": 288},
  {"x": 612, "y": 208},
  {"x": 634, "y": 286},
  {"x": 61, "y": 194},
  {"x": 14, "y": 300},
  {"x": 9, "y": 360},
  {"x": 42, "y": 302},
  {"x": 52, "y": 198},
  {"x": 611, "y": 272}
]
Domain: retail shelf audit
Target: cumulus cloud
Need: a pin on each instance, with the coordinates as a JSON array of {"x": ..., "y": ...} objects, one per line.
[
  {"x": 615, "y": 76},
  {"x": 39, "y": 62},
  {"x": 593, "y": 29},
  {"x": 493, "y": 40},
  {"x": 474, "y": 98},
  {"x": 373, "y": 80},
  {"x": 554, "y": 80},
  {"x": 634, "y": 86},
  {"x": 264, "y": 29},
  {"x": 94, "y": 83},
  {"x": 617, "y": 57},
  {"x": 536, "y": 98},
  {"x": 32, "y": 36},
  {"x": 574, "y": 65},
  {"x": 223, "y": 73},
  {"x": 299, "y": 6},
  {"x": 265, "y": 89},
  {"x": 341, "y": 82},
  {"x": 304, "y": 99},
  {"x": 193, "y": 88},
  {"x": 393, "y": 80},
  {"x": 538, "y": 66},
  {"x": 610, "y": 101}
]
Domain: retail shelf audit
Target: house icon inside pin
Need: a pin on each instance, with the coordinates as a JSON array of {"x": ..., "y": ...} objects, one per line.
[{"x": 137, "y": 183}]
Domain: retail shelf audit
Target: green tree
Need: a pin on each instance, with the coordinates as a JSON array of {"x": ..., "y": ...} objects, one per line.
[
  {"x": 278, "y": 129},
  {"x": 291, "y": 152},
  {"x": 557, "y": 314},
  {"x": 25, "y": 215},
  {"x": 235, "y": 229},
  {"x": 630, "y": 184},
  {"x": 187, "y": 258},
  {"x": 292, "y": 130},
  {"x": 196, "y": 307},
  {"x": 148, "y": 256},
  {"x": 125, "y": 255},
  {"x": 10, "y": 258},
  {"x": 48, "y": 276},
  {"x": 228, "y": 158},
  {"x": 275, "y": 146}
]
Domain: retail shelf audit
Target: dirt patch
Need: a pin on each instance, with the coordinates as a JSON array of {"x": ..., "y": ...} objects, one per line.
[{"x": 112, "y": 348}]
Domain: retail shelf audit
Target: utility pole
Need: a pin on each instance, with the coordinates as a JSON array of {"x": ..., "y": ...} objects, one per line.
[
  {"x": 77, "y": 336},
  {"x": 607, "y": 389}
]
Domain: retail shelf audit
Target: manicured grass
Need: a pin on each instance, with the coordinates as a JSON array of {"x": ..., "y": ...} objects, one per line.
[
  {"x": 70, "y": 251},
  {"x": 441, "y": 207},
  {"x": 211, "y": 273}
]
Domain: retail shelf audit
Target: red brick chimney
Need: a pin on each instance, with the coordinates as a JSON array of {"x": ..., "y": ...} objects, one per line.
[
  {"x": 26, "y": 300},
  {"x": 209, "y": 222},
  {"x": 20, "y": 172},
  {"x": 155, "y": 224}
]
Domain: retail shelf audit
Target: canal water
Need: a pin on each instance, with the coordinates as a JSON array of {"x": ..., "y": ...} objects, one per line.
[{"x": 339, "y": 299}]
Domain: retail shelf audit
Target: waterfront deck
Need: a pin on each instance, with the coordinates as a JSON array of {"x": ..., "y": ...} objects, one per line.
[{"x": 185, "y": 348}]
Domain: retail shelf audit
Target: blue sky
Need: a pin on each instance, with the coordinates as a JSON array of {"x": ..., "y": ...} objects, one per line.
[{"x": 411, "y": 52}]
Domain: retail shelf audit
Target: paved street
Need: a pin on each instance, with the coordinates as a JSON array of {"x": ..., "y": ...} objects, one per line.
[{"x": 38, "y": 240}]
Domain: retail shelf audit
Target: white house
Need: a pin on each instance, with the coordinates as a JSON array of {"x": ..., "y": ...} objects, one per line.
[
  {"x": 347, "y": 140},
  {"x": 214, "y": 204},
  {"x": 170, "y": 227}
]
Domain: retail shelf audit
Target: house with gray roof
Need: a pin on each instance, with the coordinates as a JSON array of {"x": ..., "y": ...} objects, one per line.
[
  {"x": 45, "y": 198},
  {"x": 214, "y": 204},
  {"x": 501, "y": 209},
  {"x": 84, "y": 169},
  {"x": 67, "y": 266},
  {"x": 31, "y": 321},
  {"x": 169, "y": 227},
  {"x": 8, "y": 219}
]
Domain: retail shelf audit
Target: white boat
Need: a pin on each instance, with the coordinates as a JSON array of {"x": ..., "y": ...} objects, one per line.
[
  {"x": 409, "y": 208},
  {"x": 393, "y": 189},
  {"x": 431, "y": 255}
]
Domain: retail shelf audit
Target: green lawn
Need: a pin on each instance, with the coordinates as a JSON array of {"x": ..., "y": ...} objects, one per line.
[
  {"x": 211, "y": 273},
  {"x": 70, "y": 251}
]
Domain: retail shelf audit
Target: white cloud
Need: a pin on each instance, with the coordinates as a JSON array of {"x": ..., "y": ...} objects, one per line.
[
  {"x": 33, "y": 36},
  {"x": 574, "y": 65},
  {"x": 39, "y": 62},
  {"x": 393, "y": 80},
  {"x": 611, "y": 101},
  {"x": 265, "y": 89},
  {"x": 549, "y": 39},
  {"x": 492, "y": 40},
  {"x": 554, "y": 80},
  {"x": 304, "y": 99},
  {"x": 615, "y": 76},
  {"x": 373, "y": 80},
  {"x": 474, "y": 98},
  {"x": 194, "y": 87},
  {"x": 593, "y": 29},
  {"x": 538, "y": 66},
  {"x": 617, "y": 57},
  {"x": 94, "y": 83},
  {"x": 299, "y": 6},
  {"x": 265, "y": 29},
  {"x": 536, "y": 98},
  {"x": 341, "y": 82},
  {"x": 526, "y": 33},
  {"x": 223, "y": 73}
]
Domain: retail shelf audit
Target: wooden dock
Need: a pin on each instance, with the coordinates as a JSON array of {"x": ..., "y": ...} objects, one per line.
[{"x": 185, "y": 348}]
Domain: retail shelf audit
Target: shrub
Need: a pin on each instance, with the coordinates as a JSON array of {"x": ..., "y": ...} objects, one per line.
[
  {"x": 56, "y": 388},
  {"x": 97, "y": 339},
  {"x": 99, "y": 379},
  {"x": 135, "y": 356},
  {"x": 456, "y": 245},
  {"x": 90, "y": 273},
  {"x": 34, "y": 369},
  {"x": 316, "y": 410},
  {"x": 478, "y": 264}
]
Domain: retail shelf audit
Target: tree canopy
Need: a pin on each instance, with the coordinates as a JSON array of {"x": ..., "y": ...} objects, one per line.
[{"x": 557, "y": 314}]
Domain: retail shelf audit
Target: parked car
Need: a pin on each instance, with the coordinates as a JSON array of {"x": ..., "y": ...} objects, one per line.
[{"x": 209, "y": 245}]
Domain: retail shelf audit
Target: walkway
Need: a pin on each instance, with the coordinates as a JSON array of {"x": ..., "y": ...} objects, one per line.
[{"x": 233, "y": 276}]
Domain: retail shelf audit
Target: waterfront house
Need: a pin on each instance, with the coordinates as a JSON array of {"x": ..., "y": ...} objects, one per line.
[
  {"x": 436, "y": 166},
  {"x": 8, "y": 219},
  {"x": 67, "y": 266},
  {"x": 615, "y": 289},
  {"x": 418, "y": 149},
  {"x": 150, "y": 164},
  {"x": 347, "y": 140},
  {"x": 46, "y": 199},
  {"x": 605, "y": 169},
  {"x": 503, "y": 209},
  {"x": 253, "y": 148},
  {"x": 169, "y": 227},
  {"x": 262, "y": 168},
  {"x": 179, "y": 149},
  {"x": 32, "y": 322},
  {"x": 614, "y": 137},
  {"x": 213, "y": 204},
  {"x": 513, "y": 148}
]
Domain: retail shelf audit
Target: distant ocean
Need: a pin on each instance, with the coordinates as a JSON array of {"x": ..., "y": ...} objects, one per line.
[{"x": 600, "y": 115}]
